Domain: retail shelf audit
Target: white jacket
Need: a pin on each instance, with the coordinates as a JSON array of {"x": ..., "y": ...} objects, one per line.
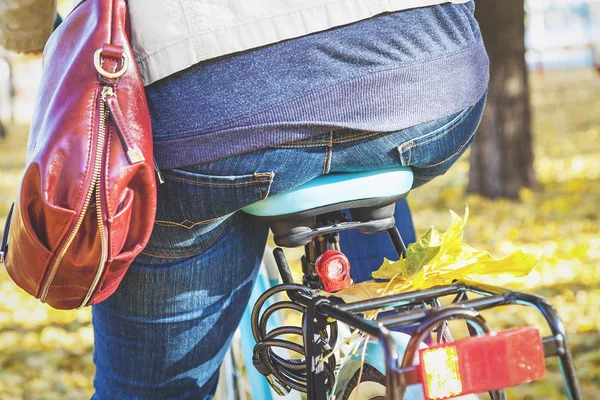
[{"x": 171, "y": 35}]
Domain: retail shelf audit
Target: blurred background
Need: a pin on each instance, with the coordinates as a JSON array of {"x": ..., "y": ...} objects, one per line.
[{"x": 531, "y": 180}]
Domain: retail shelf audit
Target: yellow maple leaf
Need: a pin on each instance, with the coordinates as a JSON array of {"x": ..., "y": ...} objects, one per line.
[{"x": 438, "y": 259}]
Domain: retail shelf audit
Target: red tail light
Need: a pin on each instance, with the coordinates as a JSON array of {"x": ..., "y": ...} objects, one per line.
[
  {"x": 482, "y": 363},
  {"x": 334, "y": 270}
]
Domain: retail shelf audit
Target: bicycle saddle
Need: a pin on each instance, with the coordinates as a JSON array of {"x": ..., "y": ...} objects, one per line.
[{"x": 369, "y": 195}]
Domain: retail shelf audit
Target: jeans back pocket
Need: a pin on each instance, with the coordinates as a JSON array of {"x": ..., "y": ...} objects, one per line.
[
  {"x": 193, "y": 208},
  {"x": 431, "y": 153}
]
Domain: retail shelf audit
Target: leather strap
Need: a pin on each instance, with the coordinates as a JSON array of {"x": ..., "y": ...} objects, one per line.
[
  {"x": 4, "y": 243},
  {"x": 112, "y": 51}
]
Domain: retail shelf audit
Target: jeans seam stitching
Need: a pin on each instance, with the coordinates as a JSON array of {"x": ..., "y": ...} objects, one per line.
[
  {"x": 359, "y": 136},
  {"x": 457, "y": 151},
  {"x": 214, "y": 184},
  {"x": 207, "y": 245},
  {"x": 292, "y": 145},
  {"x": 258, "y": 181},
  {"x": 195, "y": 223},
  {"x": 271, "y": 177},
  {"x": 403, "y": 148},
  {"x": 328, "y": 151},
  {"x": 258, "y": 187}
]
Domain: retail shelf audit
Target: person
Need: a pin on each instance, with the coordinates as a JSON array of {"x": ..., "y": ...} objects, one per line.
[{"x": 249, "y": 100}]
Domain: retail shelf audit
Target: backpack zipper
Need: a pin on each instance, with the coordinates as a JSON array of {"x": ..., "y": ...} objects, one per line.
[{"x": 93, "y": 188}]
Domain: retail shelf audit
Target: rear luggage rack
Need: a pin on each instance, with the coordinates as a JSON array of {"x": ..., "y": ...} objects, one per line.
[{"x": 401, "y": 373}]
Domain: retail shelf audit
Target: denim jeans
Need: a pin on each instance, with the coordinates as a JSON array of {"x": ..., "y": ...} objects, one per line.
[{"x": 164, "y": 332}]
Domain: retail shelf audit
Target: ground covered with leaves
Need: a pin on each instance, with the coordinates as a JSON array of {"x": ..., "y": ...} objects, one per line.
[{"x": 46, "y": 354}]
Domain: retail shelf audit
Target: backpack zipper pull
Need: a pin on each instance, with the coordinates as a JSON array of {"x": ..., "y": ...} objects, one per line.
[{"x": 134, "y": 155}]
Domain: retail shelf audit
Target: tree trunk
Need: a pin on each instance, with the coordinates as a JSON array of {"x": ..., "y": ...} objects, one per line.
[{"x": 502, "y": 154}]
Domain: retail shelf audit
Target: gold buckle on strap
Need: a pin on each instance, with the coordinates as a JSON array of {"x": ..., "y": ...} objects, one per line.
[{"x": 106, "y": 74}]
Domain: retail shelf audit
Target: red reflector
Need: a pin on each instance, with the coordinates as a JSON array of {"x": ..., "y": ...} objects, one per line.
[
  {"x": 334, "y": 270},
  {"x": 482, "y": 363}
]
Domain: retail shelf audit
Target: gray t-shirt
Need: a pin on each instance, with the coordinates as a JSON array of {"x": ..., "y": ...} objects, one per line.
[{"x": 382, "y": 74}]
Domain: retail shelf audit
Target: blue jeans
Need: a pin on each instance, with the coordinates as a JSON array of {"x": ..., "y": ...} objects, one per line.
[{"x": 164, "y": 332}]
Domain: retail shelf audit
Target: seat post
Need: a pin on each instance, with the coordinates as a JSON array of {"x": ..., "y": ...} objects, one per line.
[
  {"x": 312, "y": 251},
  {"x": 397, "y": 241},
  {"x": 319, "y": 245}
]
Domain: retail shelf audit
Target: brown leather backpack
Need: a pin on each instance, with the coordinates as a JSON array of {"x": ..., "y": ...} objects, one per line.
[{"x": 87, "y": 201}]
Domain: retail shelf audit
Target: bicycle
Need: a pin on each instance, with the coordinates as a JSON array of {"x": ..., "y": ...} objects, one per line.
[{"x": 311, "y": 216}]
